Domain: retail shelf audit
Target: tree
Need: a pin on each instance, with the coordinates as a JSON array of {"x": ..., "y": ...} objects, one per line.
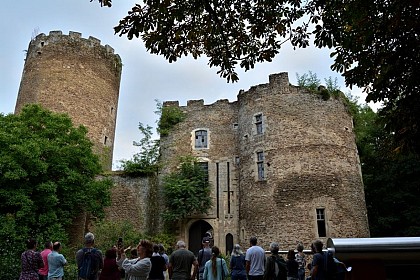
[
  {"x": 187, "y": 191},
  {"x": 47, "y": 177},
  {"x": 311, "y": 82},
  {"x": 146, "y": 161},
  {"x": 375, "y": 44},
  {"x": 392, "y": 184}
]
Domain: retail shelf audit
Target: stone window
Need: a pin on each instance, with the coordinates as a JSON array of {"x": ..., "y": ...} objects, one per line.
[
  {"x": 259, "y": 123},
  {"x": 260, "y": 166},
  {"x": 320, "y": 221},
  {"x": 205, "y": 167},
  {"x": 201, "y": 139}
]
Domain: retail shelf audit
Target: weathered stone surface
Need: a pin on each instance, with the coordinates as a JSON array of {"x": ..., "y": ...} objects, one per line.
[
  {"x": 310, "y": 156},
  {"x": 311, "y": 162},
  {"x": 77, "y": 76}
]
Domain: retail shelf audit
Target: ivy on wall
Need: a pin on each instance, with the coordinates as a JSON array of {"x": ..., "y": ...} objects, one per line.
[{"x": 186, "y": 191}]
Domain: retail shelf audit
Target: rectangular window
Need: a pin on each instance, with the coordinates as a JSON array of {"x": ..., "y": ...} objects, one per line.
[
  {"x": 201, "y": 139},
  {"x": 259, "y": 123},
  {"x": 260, "y": 166},
  {"x": 320, "y": 220},
  {"x": 205, "y": 167}
]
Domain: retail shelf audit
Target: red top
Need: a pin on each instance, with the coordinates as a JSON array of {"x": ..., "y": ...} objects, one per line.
[
  {"x": 110, "y": 270},
  {"x": 44, "y": 255}
]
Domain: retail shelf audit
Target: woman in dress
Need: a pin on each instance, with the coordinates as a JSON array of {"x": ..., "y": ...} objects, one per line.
[
  {"x": 158, "y": 265},
  {"x": 215, "y": 268},
  {"x": 31, "y": 261}
]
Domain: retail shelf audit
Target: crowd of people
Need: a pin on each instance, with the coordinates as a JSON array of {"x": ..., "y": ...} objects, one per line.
[{"x": 149, "y": 261}]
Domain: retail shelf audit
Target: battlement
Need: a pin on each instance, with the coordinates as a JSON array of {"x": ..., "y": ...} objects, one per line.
[
  {"x": 198, "y": 104},
  {"x": 57, "y": 36},
  {"x": 278, "y": 83},
  {"x": 70, "y": 74}
]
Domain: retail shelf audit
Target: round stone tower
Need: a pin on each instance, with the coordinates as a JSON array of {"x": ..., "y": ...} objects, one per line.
[
  {"x": 77, "y": 76},
  {"x": 299, "y": 174}
]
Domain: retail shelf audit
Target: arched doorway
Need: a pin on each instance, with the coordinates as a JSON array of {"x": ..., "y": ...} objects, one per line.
[
  {"x": 229, "y": 243},
  {"x": 197, "y": 231}
]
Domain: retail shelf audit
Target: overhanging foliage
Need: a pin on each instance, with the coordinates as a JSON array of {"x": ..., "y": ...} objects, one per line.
[{"x": 187, "y": 191}]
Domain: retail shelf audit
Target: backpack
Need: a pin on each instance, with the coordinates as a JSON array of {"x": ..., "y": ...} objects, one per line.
[
  {"x": 282, "y": 268},
  {"x": 90, "y": 264}
]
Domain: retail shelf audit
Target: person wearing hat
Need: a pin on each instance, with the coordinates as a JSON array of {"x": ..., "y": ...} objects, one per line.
[{"x": 203, "y": 256}]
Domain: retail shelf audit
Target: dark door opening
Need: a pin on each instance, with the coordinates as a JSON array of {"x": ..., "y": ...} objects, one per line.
[
  {"x": 229, "y": 244},
  {"x": 197, "y": 231}
]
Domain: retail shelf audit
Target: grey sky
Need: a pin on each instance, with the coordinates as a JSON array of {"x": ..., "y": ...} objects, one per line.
[{"x": 145, "y": 77}]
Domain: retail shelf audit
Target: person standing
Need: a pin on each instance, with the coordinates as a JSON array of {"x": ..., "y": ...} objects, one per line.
[
  {"x": 56, "y": 263},
  {"x": 203, "y": 256},
  {"x": 215, "y": 268},
  {"x": 275, "y": 265},
  {"x": 31, "y": 261},
  {"x": 165, "y": 256},
  {"x": 137, "y": 269},
  {"x": 110, "y": 271},
  {"x": 158, "y": 265},
  {"x": 237, "y": 264},
  {"x": 292, "y": 265},
  {"x": 255, "y": 257},
  {"x": 43, "y": 272},
  {"x": 89, "y": 259},
  {"x": 323, "y": 266},
  {"x": 180, "y": 263},
  {"x": 301, "y": 259}
]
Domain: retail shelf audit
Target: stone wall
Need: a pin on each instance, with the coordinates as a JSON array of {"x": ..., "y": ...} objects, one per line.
[
  {"x": 136, "y": 201},
  {"x": 77, "y": 76},
  {"x": 219, "y": 120},
  {"x": 310, "y": 163}
]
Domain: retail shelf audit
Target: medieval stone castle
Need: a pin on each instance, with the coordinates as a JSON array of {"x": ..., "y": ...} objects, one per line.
[{"x": 282, "y": 162}]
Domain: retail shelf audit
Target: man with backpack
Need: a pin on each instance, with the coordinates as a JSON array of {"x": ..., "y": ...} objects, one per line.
[
  {"x": 275, "y": 265},
  {"x": 203, "y": 256},
  {"x": 89, "y": 260}
]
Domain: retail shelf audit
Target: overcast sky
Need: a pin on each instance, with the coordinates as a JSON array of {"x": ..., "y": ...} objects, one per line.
[{"x": 145, "y": 77}]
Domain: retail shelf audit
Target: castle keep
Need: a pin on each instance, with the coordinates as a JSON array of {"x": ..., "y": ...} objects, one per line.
[
  {"x": 282, "y": 162},
  {"x": 77, "y": 76}
]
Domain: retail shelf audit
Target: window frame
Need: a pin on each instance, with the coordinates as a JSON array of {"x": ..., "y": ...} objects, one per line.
[
  {"x": 321, "y": 222},
  {"x": 258, "y": 121},
  {"x": 202, "y": 137},
  {"x": 261, "y": 176}
]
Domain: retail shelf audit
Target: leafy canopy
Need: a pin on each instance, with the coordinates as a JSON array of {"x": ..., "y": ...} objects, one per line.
[
  {"x": 375, "y": 44},
  {"x": 391, "y": 179},
  {"x": 169, "y": 117},
  {"x": 47, "y": 177},
  {"x": 311, "y": 82},
  {"x": 186, "y": 191}
]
